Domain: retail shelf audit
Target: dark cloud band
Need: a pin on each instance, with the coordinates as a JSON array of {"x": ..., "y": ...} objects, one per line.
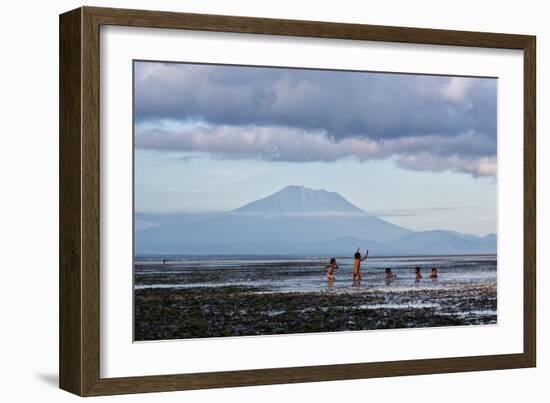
[
  {"x": 430, "y": 123},
  {"x": 341, "y": 103}
]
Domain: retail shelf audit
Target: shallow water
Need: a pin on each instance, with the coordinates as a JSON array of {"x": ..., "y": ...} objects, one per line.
[{"x": 308, "y": 274}]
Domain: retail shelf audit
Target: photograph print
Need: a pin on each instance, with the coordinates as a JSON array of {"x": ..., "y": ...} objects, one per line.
[{"x": 273, "y": 201}]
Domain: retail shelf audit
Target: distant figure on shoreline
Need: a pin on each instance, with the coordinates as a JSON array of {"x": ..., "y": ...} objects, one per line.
[
  {"x": 357, "y": 259},
  {"x": 417, "y": 274},
  {"x": 330, "y": 270},
  {"x": 163, "y": 261},
  {"x": 434, "y": 273}
]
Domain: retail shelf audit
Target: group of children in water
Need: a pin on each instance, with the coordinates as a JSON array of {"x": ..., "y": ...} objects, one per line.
[{"x": 356, "y": 273}]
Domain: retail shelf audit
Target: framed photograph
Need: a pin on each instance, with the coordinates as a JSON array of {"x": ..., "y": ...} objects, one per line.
[{"x": 248, "y": 201}]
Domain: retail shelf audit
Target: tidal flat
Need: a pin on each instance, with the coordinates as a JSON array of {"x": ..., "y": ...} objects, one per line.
[{"x": 185, "y": 300}]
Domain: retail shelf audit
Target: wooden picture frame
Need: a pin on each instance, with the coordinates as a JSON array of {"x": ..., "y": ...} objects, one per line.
[{"x": 79, "y": 317}]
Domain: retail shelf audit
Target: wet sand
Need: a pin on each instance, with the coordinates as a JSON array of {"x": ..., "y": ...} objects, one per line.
[{"x": 236, "y": 310}]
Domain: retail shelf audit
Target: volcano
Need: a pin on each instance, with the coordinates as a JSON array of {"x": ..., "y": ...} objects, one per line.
[{"x": 295, "y": 220}]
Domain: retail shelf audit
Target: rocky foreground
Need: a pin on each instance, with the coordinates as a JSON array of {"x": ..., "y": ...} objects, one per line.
[{"x": 196, "y": 312}]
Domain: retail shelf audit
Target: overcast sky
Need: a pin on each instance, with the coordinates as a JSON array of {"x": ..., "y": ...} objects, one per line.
[{"x": 418, "y": 150}]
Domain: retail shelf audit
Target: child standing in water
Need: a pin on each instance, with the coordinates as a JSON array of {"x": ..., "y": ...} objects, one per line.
[
  {"x": 388, "y": 274},
  {"x": 417, "y": 274},
  {"x": 357, "y": 259},
  {"x": 434, "y": 273},
  {"x": 330, "y": 270}
]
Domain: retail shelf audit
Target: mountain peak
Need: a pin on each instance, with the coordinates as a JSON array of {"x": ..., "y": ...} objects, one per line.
[{"x": 296, "y": 199}]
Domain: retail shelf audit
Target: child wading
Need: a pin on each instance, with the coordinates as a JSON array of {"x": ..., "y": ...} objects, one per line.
[
  {"x": 388, "y": 274},
  {"x": 330, "y": 270},
  {"x": 417, "y": 274},
  {"x": 356, "y": 274},
  {"x": 434, "y": 273}
]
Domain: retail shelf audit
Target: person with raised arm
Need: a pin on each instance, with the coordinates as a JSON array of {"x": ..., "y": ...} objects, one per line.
[{"x": 357, "y": 259}]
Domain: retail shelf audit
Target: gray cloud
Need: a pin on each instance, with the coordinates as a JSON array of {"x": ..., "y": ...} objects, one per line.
[
  {"x": 434, "y": 153},
  {"x": 410, "y": 213},
  {"x": 341, "y": 103},
  {"x": 477, "y": 167},
  {"x": 432, "y": 123}
]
